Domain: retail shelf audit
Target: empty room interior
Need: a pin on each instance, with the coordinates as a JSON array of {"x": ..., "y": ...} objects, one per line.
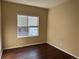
[{"x": 39, "y": 29}]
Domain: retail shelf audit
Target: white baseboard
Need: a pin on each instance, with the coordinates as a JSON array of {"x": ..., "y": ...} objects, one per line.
[
  {"x": 42, "y": 43},
  {"x": 24, "y": 45},
  {"x": 63, "y": 50}
]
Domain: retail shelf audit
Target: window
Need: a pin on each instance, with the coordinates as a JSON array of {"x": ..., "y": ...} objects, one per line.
[{"x": 27, "y": 26}]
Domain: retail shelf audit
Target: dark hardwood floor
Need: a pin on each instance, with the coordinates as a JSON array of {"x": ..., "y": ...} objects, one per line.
[{"x": 43, "y": 51}]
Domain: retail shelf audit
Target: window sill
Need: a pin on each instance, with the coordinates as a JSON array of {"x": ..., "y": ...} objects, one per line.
[{"x": 25, "y": 36}]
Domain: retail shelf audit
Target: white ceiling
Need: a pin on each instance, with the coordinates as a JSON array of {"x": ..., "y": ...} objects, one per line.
[{"x": 39, "y": 3}]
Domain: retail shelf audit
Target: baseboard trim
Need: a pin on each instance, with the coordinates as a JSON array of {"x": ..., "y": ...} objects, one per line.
[
  {"x": 41, "y": 43},
  {"x": 23, "y": 46},
  {"x": 63, "y": 50}
]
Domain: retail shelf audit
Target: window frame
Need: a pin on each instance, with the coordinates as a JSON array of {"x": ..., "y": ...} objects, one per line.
[{"x": 30, "y": 26}]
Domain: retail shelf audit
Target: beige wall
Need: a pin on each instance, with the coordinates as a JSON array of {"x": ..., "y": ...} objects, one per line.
[
  {"x": 0, "y": 25},
  {"x": 78, "y": 28},
  {"x": 63, "y": 25},
  {"x": 10, "y": 11}
]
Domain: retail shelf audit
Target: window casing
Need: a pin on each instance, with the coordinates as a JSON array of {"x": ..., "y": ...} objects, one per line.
[{"x": 27, "y": 26}]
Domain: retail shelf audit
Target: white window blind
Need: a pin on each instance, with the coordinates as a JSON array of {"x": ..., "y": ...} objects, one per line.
[{"x": 27, "y": 26}]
